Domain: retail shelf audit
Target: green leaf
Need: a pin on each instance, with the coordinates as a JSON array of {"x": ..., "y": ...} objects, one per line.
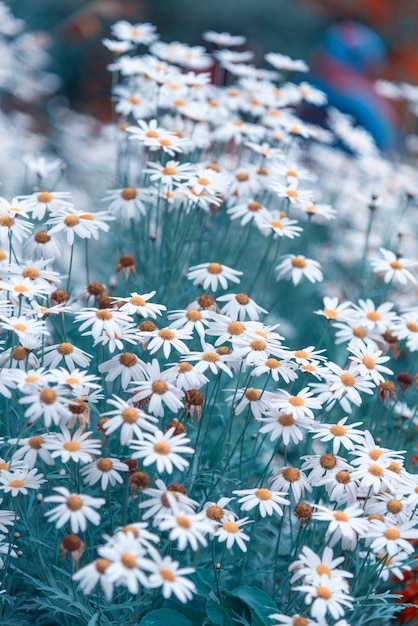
[
  {"x": 93, "y": 620},
  {"x": 163, "y": 617},
  {"x": 258, "y": 601}
]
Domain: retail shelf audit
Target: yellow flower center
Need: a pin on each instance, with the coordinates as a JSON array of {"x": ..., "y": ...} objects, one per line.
[
  {"x": 210, "y": 357},
  {"x": 374, "y": 316},
  {"x": 338, "y": 431},
  {"x": 263, "y": 494},
  {"x": 128, "y": 560},
  {"x": 296, "y": 401},
  {"x": 183, "y": 522},
  {"x": 286, "y": 419},
  {"x": 129, "y": 416},
  {"x": 162, "y": 447},
  {"x": 169, "y": 171},
  {"x": 104, "y": 315},
  {"x": 331, "y": 313},
  {"x": 129, "y": 193},
  {"x": 45, "y": 197},
  {"x": 299, "y": 262},
  {"x": 167, "y": 574},
  {"x": 16, "y": 483},
  {"x": 323, "y": 592},
  {"x": 252, "y": 395},
  {"x": 101, "y": 565},
  {"x": 242, "y": 298},
  {"x": 65, "y": 348},
  {"x": 159, "y": 387},
  {"x": 104, "y": 465},
  {"x": 71, "y": 221},
  {"x": 74, "y": 503},
  {"x": 376, "y": 470},
  {"x": 369, "y": 362},
  {"x": 348, "y": 380},
  {"x": 214, "y": 268},
  {"x": 47, "y": 396},
  {"x": 396, "y": 265},
  {"x": 194, "y": 315},
  {"x": 272, "y": 363},
  {"x": 412, "y": 326},
  {"x": 72, "y": 446},
  {"x": 236, "y": 328},
  {"x": 30, "y": 272},
  {"x": 323, "y": 569},
  {"x": 231, "y": 527},
  {"x": 392, "y": 534},
  {"x": 254, "y": 206},
  {"x": 166, "y": 334},
  {"x": 340, "y": 516}
]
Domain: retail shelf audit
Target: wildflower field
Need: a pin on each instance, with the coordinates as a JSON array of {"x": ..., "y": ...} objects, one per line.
[{"x": 208, "y": 346}]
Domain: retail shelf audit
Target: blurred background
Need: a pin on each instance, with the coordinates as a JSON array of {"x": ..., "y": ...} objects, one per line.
[{"x": 299, "y": 28}]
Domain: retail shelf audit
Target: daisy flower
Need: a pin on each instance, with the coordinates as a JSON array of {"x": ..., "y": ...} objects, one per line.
[
  {"x": 164, "y": 449},
  {"x": 210, "y": 359},
  {"x": 165, "y": 338},
  {"x": 156, "y": 390},
  {"x": 311, "y": 567},
  {"x": 340, "y": 434},
  {"x": 334, "y": 311},
  {"x": 93, "y": 573},
  {"x": 20, "y": 480},
  {"x": 212, "y": 275},
  {"x": 340, "y": 486},
  {"x": 394, "y": 267},
  {"x": 71, "y": 354},
  {"x": 290, "y": 478},
  {"x": 345, "y": 385},
  {"x": 138, "y": 304},
  {"x": 128, "y": 203},
  {"x": 43, "y": 203},
  {"x": 286, "y": 63},
  {"x": 50, "y": 403},
  {"x": 188, "y": 529},
  {"x": 231, "y": 531},
  {"x": 223, "y": 40},
  {"x": 102, "y": 321},
  {"x": 268, "y": 502},
  {"x": 278, "y": 225},
  {"x": 285, "y": 369},
  {"x": 43, "y": 245},
  {"x": 185, "y": 376},
  {"x": 77, "y": 509},
  {"x": 375, "y": 318},
  {"x": 346, "y": 525},
  {"x": 295, "y": 268},
  {"x": 126, "y": 365},
  {"x": 166, "y": 573},
  {"x": 141, "y": 33},
  {"x": 299, "y": 405},
  {"x": 406, "y": 327},
  {"x": 77, "y": 447},
  {"x": 291, "y": 193},
  {"x": 130, "y": 420},
  {"x": 286, "y": 426},
  {"x": 23, "y": 287},
  {"x": 30, "y": 448},
  {"x": 369, "y": 362},
  {"x": 164, "y": 500},
  {"x": 239, "y": 306},
  {"x": 189, "y": 320},
  {"x": 127, "y": 562},
  {"x": 248, "y": 211},
  {"x": 106, "y": 470},
  {"x": 392, "y": 538},
  {"x": 326, "y": 596},
  {"x": 169, "y": 175},
  {"x": 71, "y": 224}
]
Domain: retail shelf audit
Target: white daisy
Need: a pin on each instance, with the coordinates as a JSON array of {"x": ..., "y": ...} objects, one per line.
[
  {"x": 268, "y": 502},
  {"x": 76, "y": 509},
  {"x": 295, "y": 267},
  {"x": 213, "y": 275},
  {"x": 164, "y": 449}
]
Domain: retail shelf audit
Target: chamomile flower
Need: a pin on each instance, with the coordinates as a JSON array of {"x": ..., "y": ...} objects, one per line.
[
  {"x": 138, "y": 304},
  {"x": 213, "y": 275},
  {"x": 298, "y": 405},
  {"x": 285, "y": 369},
  {"x": 375, "y": 317},
  {"x": 130, "y": 420},
  {"x": 126, "y": 365},
  {"x": 340, "y": 433},
  {"x": 93, "y": 573},
  {"x": 166, "y": 573},
  {"x": 369, "y": 362},
  {"x": 290, "y": 479},
  {"x": 30, "y": 448},
  {"x": 102, "y": 321},
  {"x": 156, "y": 390},
  {"x": 141, "y": 33},
  {"x": 189, "y": 320},
  {"x": 49, "y": 402},
  {"x": 278, "y": 225},
  {"x": 311, "y": 567},
  {"x": 285, "y": 425},
  {"x": 392, "y": 538},
  {"x": 163, "y": 449},
  {"x": 43, "y": 245},
  {"x": 67, "y": 352},
  {"x": 77, "y": 447},
  {"x": 286, "y": 63},
  {"x": 240, "y": 306},
  {"x": 163, "y": 501},
  {"x": 43, "y": 203},
  {"x": 166, "y": 338},
  {"x": 18, "y": 481},
  {"x": 346, "y": 525},
  {"x": 128, "y": 203},
  {"x": 106, "y": 470},
  {"x": 268, "y": 502},
  {"x": 185, "y": 376},
  {"x": 394, "y": 267},
  {"x": 127, "y": 562},
  {"x": 334, "y": 311},
  {"x": 231, "y": 532},
  {"x": 76, "y": 509},
  {"x": 211, "y": 359},
  {"x": 326, "y": 596},
  {"x": 188, "y": 529},
  {"x": 295, "y": 267}
]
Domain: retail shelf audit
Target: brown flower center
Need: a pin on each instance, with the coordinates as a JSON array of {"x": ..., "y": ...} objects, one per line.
[
  {"x": 214, "y": 268},
  {"x": 104, "y": 465},
  {"x": 129, "y": 416},
  {"x": 299, "y": 262},
  {"x": 162, "y": 447},
  {"x": 338, "y": 431},
  {"x": 291, "y": 474},
  {"x": 74, "y": 503},
  {"x": 159, "y": 387},
  {"x": 47, "y": 396},
  {"x": 166, "y": 334}
]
